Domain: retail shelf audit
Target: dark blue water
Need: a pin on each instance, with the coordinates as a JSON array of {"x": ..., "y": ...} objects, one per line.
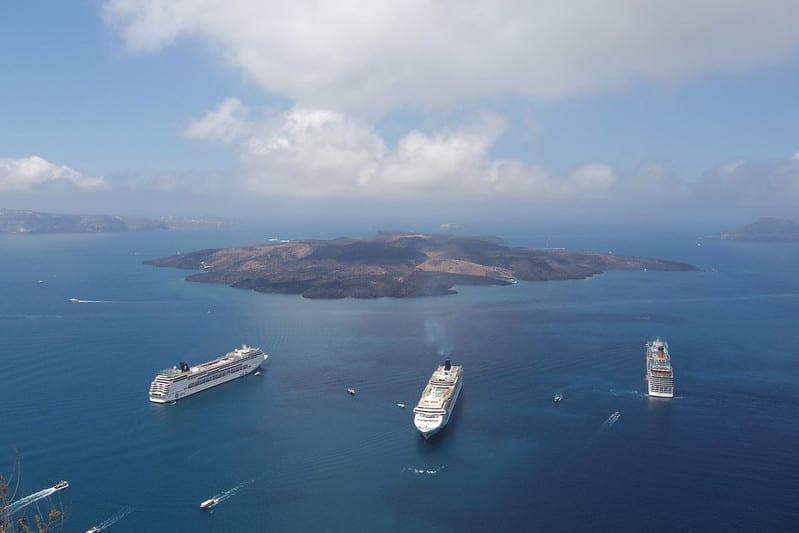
[{"x": 292, "y": 451}]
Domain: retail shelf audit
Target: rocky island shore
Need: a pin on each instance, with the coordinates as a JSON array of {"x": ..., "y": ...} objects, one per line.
[{"x": 394, "y": 265}]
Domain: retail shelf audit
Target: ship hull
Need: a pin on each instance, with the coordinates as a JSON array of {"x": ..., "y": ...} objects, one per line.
[
  {"x": 660, "y": 387},
  {"x": 660, "y": 395},
  {"x": 167, "y": 390}
]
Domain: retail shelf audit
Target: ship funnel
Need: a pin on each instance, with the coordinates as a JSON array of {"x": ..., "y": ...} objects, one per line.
[{"x": 447, "y": 365}]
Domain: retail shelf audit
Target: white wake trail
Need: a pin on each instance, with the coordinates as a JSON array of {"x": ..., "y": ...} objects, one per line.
[
  {"x": 20, "y": 504},
  {"x": 610, "y": 421},
  {"x": 430, "y": 472},
  {"x": 108, "y": 522},
  {"x": 222, "y": 496}
]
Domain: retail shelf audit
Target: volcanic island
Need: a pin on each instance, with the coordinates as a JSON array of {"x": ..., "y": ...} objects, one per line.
[{"x": 395, "y": 265}]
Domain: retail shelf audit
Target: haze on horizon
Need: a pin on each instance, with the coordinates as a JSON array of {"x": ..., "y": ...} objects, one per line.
[{"x": 398, "y": 110}]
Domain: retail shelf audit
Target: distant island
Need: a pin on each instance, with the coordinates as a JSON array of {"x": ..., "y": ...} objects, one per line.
[
  {"x": 763, "y": 229},
  {"x": 12, "y": 221},
  {"x": 394, "y": 265}
]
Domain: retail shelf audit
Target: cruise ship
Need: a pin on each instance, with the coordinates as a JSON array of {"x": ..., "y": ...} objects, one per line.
[
  {"x": 438, "y": 399},
  {"x": 180, "y": 381},
  {"x": 659, "y": 374}
]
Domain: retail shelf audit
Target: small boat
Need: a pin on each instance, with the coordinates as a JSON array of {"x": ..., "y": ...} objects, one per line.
[
  {"x": 257, "y": 372},
  {"x": 350, "y": 390},
  {"x": 207, "y": 504},
  {"x": 74, "y": 300},
  {"x": 93, "y": 529},
  {"x": 401, "y": 405},
  {"x": 558, "y": 397},
  {"x": 61, "y": 485}
]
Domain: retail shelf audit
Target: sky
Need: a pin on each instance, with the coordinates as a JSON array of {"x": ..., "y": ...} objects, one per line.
[{"x": 585, "y": 109}]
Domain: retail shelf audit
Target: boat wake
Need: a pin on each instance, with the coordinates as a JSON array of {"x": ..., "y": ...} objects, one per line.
[
  {"x": 610, "y": 421},
  {"x": 631, "y": 393},
  {"x": 110, "y": 521},
  {"x": 225, "y": 495},
  {"x": 20, "y": 504},
  {"x": 423, "y": 471}
]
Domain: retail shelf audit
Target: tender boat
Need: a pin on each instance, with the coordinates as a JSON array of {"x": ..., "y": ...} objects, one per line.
[
  {"x": 207, "y": 504},
  {"x": 61, "y": 485}
]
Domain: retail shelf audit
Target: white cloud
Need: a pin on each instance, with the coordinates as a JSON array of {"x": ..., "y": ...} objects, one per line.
[
  {"x": 226, "y": 123},
  {"x": 596, "y": 178},
  {"x": 36, "y": 173},
  {"x": 315, "y": 153},
  {"x": 307, "y": 152},
  {"x": 367, "y": 57},
  {"x": 451, "y": 160},
  {"x": 310, "y": 152},
  {"x": 740, "y": 183}
]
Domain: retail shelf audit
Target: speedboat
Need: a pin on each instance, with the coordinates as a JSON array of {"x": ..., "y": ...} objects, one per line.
[
  {"x": 401, "y": 405},
  {"x": 558, "y": 397},
  {"x": 350, "y": 390},
  {"x": 207, "y": 504},
  {"x": 74, "y": 300},
  {"x": 61, "y": 485},
  {"x": 94, "y": 529}
]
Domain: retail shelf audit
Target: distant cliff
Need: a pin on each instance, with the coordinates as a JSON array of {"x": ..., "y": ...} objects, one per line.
[
  {"x": 35, "y": 222},
  {"x": 395, "y": 265},
  {"x": 763, "y": 229}
]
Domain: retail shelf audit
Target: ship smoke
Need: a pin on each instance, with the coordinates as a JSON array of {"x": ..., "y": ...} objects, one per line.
[{"x": 438, "y": 336}]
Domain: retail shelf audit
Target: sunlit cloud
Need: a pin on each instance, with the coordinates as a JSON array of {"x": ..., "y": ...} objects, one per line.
[
  {"x": 304, "y": 152},
  {"x": 368, "y": 57},
  {"x": 316, "y": 152},
  {"x": 226, "y": 123},
  {"x": 35, "y": 173}
]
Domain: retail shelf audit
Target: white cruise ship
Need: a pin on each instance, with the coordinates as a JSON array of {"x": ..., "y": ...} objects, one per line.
[
  {"x": 659, "y": 374},
  {"x": 438, "y": 399},
  {"x": 181, "y": 381}
]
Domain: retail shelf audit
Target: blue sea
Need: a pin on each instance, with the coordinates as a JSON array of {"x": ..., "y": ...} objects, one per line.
[{"x": 290, "y": 450}]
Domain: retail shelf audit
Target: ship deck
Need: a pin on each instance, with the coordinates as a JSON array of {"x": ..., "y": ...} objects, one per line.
[
  {"x": 229, "y": 357},
  {"x": 439, "y": 389}
]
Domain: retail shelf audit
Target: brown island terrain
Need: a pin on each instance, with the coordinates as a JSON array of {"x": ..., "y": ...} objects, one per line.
[{"x": 395, "y": 265}]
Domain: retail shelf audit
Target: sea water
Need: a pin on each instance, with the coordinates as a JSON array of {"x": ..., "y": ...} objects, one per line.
[{"x": 290, "y": 450}]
